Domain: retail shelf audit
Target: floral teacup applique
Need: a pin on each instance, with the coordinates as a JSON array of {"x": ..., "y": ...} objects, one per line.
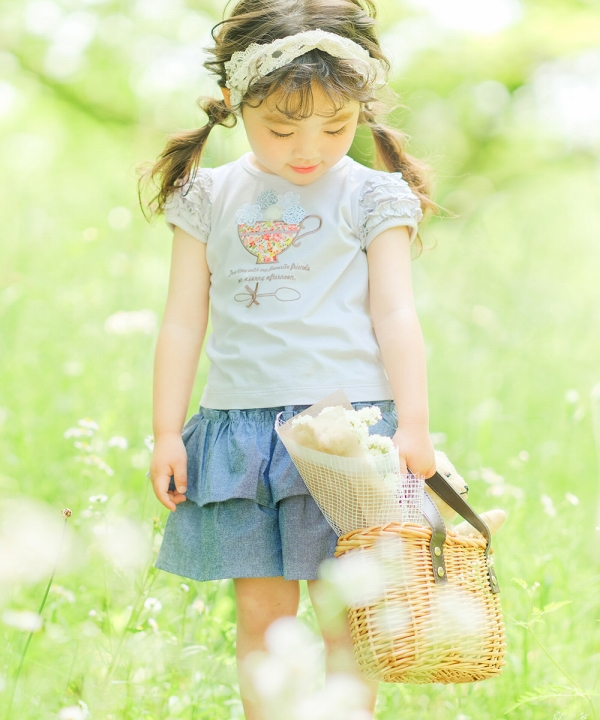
[{"x": 268, "y": 227}]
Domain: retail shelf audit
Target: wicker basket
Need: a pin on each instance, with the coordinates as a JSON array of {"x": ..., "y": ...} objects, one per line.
[{"x": 448, "y": 632}]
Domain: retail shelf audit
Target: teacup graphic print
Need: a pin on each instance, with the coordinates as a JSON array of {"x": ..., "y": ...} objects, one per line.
[
  {"x": 267, "y": 239},
  {"x": 273, "y": 224}
]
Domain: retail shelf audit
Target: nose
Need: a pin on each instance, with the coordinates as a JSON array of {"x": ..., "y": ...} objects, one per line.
[{"x": 305, "y": 149}]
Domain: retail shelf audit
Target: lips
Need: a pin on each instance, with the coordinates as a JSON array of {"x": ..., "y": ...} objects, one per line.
[{"x": 304, "y": 170}]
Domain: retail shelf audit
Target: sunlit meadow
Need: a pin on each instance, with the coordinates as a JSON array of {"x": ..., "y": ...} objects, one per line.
[{"x": 504, "y": 105}]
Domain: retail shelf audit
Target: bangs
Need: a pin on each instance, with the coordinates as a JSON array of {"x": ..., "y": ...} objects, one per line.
[{"x": 294, "y": 86}]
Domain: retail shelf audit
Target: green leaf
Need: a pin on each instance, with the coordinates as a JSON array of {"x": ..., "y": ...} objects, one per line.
[
  {"x": 547, "y": 693},
  {"x": 555, "y": 606},
  {"x": 521, "y": 583}
]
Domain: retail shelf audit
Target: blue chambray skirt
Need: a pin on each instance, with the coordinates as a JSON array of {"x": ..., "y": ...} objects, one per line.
[{"x": 248, "y": 512}]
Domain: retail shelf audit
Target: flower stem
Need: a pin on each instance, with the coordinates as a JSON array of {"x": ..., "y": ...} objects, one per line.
[{"x": 66, "y": 514}]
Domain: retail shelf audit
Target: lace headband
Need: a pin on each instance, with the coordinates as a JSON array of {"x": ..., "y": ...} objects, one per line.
[{"x": 259, "y": 60}]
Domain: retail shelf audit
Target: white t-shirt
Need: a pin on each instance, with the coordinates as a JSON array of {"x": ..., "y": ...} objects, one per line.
[{"x": 289, "y": 279}]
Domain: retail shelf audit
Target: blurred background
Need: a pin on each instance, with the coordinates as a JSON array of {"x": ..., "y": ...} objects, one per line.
[{"x": 502, "y": 99}]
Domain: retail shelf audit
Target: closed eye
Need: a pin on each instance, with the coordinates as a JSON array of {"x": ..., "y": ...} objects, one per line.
[
  {"x": 280, "y": 135},
  {"x": 337, "y": 132}
]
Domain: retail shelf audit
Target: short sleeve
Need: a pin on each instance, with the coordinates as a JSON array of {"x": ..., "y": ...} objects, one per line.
[
  {"x": 386, "y": 201},
  {"x": 189, "y": 206}
]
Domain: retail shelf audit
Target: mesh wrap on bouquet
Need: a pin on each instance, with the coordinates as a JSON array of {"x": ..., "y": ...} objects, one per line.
[{"x": 354, "y": 492}]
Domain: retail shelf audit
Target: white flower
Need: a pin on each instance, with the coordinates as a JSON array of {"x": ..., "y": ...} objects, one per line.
[
  {"x": 68, "y": 595},
  {"x": 87, "y": 423},
  {"x": 128, "y": 322},
  {"x": 149, "y": 442},
  {"x": 249, "y": 214},
  {"x": 198, "y": 606},
  {"x": 571, "y": 396},
  {"x": 548, "y": 505},
  {"x": 184, "y": 588},
  {"x": 74, "y": 712},
  {"x": 153, "y": 624},
  {"x": 267, "y": 198},
  {"x": 301, "y": 420},
  {"x": 378, "y": 445},
  {"x": 118, "y": 442},
  {"x": 77, "y": 432},
  {"x": 294, "y": 215},
  {"x": 99, "y": 498},
  {"x": 153, "y": 604},
  {"x": 273, "y": 213},
  {"x": 289, "y": 200},
  {"x": 25, "y": 620},
  {"x": 573, "y": 499},
  {"x": 370, "y": 415}
]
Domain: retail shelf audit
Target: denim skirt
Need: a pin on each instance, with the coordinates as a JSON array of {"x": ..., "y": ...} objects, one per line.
[{"x": 248, "y": 512}]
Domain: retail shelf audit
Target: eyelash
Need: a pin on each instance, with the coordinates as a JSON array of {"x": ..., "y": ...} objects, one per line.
[{"x": 336, "y": 132}]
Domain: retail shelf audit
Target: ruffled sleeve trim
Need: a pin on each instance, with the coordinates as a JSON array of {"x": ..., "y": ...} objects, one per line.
[
  {"x": 189, "y": 207},
  {"x": 386, "y": 201}
]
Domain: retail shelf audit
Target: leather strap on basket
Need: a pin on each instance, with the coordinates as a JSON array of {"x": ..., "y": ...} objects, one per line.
[
  {"x": 438, "y": 537},
  {"x": 449, "y": 495}
]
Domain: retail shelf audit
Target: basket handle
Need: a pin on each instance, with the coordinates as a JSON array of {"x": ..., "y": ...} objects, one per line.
[{"x": 448, "y": 494}]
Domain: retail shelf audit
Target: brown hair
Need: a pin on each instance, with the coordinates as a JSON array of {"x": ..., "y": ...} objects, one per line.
[{"x": 262, "y": 21}]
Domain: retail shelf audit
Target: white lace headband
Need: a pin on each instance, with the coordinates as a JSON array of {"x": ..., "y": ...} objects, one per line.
[{"x": 259, "y": 60}]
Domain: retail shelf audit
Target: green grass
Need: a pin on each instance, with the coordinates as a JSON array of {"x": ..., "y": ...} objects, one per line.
[{"x": 509, "y": 303}]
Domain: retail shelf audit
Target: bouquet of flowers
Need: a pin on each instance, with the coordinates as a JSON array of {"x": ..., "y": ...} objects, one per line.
[{"x": 354, "y": 476}]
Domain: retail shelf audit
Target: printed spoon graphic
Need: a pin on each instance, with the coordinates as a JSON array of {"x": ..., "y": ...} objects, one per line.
[{"x": 284, "y": 294}]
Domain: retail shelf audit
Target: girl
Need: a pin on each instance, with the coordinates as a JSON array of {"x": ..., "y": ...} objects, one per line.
[{"x": 303, "y": 256}]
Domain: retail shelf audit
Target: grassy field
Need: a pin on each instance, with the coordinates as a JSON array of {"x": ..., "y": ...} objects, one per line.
[{"x": 509, "y": 302}]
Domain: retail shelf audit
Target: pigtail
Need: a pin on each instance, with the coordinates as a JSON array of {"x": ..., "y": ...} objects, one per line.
[
  {"x": 391, "y": 155},
  {"x": 182, "y": 154}
]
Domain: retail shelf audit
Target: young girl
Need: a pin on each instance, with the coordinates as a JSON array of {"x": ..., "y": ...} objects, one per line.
[{"x": 303, "y": 256}]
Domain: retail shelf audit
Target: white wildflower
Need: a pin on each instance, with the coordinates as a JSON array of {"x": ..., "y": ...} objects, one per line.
[
  {"x": 128, "y": 322},
  {"x": 378, "y": 445},
  {"x": 153, "y": 624},
  {"x": 77, "y": 432},
  {"x": 149, "y": 442},
  {"x": 491, "y": 477},
  {"x": 301, "y": 420},
  {"x": 74, "y": 712},
  {"x": 97, "y": 461},
  {"x": 25, "y": 620},
  {"x": 198, "y": 606},
  {"x": 153, "y": 604},
  {"x": 99, "y": 498},
  {"x": 88, "y": 424},
  {"x": 573, "y": 499},
  {"x": 118, "y": 442},
  {"x": 548, "y": 505},
  {"x": 369, "y": 415},
  {"x": 357, "y": 577},
  {"x": 184, "y": 588},
  {"x": 68, "y": 595}
]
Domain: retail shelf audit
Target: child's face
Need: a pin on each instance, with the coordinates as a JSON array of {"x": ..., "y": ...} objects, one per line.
[{"x": 300, "y": 150}]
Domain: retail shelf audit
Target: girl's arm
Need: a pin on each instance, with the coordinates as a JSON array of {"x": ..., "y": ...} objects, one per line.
[
  {"x": 176, "y": 361},
  {"x": 400, "y": 339}
]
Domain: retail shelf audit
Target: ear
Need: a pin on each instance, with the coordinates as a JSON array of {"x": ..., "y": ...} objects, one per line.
[{"x": 226, "y": 96}]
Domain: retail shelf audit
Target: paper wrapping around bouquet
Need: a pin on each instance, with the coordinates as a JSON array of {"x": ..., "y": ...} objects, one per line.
[{"x": 354, "y": 492}]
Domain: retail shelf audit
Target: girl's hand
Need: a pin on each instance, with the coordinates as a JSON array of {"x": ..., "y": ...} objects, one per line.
[
  {"x": 416, "y": 451},
  {"x": 169, "y": 458}
]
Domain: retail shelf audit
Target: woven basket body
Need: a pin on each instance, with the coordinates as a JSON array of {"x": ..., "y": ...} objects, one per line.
[{"x": 420, "y": 631}]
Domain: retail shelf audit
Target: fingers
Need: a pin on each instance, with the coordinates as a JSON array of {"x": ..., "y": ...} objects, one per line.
[
  {"x": 161, "y": 490},
  {"x": 180, "y": 474}
]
